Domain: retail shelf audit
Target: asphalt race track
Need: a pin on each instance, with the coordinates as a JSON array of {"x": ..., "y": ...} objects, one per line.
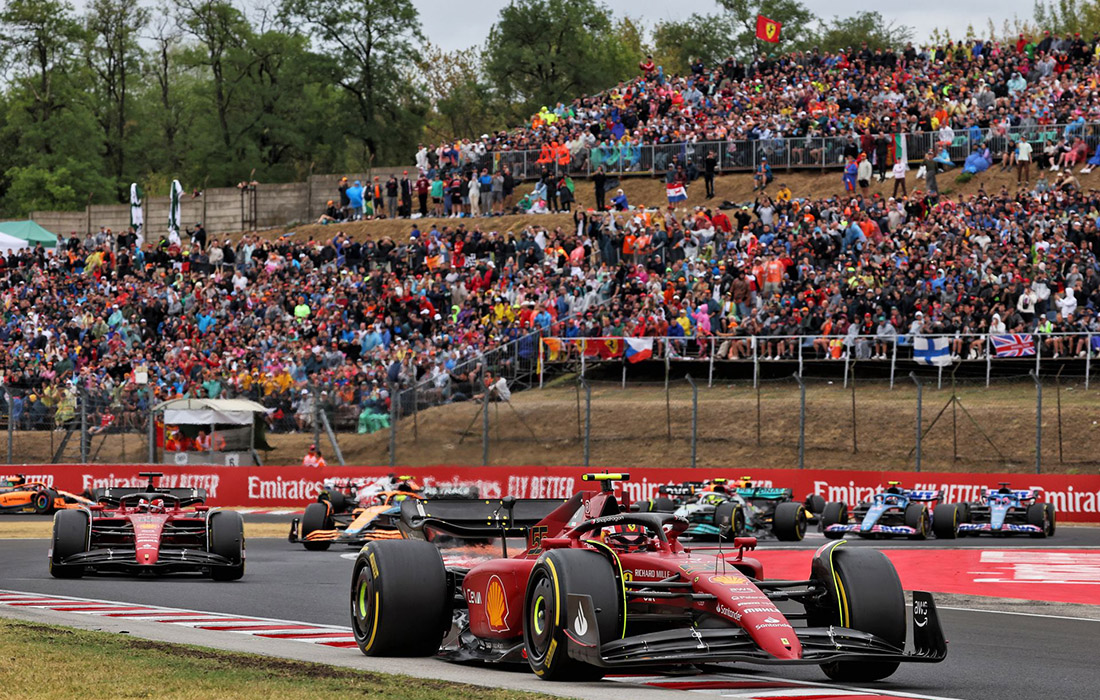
[{"x": 991, "y": 654}]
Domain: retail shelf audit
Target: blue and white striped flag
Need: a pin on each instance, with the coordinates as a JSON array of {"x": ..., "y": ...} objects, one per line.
[{"x": 931, "y": 351}]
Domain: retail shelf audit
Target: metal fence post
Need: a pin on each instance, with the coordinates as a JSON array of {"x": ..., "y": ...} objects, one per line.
[
  {"x": 316, "y": 417},
  {"x": 82, "y": 397},
  {"x": 11, "y": 423},
  {"x": 484, "y": 421},
  {"x": 694, "y": 418},
  {"x": 587, "y": 421},
  {"x": 920, "y": 405},
  {"x": 1038, "y": 422},
  {"x": 152, "y": 432},
  {"x": 801, "y": 421},
  {"x": 855, "y": 444},
  {"x": 1088, "y": 359},
  {"x": 710, "y": 370},
  {"x": 394, "y": 399}
]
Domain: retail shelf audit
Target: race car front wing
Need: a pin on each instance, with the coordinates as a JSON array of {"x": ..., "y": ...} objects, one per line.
[
  {"x": 126, "y": 559},
  {"x": 691, "y": 645}
]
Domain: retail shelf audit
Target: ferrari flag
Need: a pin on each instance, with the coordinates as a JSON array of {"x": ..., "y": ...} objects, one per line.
[{"x": 767, "y": 29}]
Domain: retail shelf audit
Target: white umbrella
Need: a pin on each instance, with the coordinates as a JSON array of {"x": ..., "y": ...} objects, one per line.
[{"x": 174, "y": 195}]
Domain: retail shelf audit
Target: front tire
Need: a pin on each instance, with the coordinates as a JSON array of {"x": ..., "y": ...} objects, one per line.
[
  {"x": 945, "y": 522},
  {"x": 1038, "y": 515},
  {"x": 44, "y": 500},
  {"x": 789, "y": 522},
  {"x": 865, "y": 594},
  {"x": 834, "y": 514},
  {"x": 227, "y": 540},
  {"x": 400, "y": 601},
  {"x": 70, "y": 536},
  {"x": 316, "y": 517},
  {"x": 815, "y": 503},
  {"x": 730, "y": 519},
  {"x": 558, "y": 573},
  {"x": 1051, "y": 518},
  {"x": 916, "y": 517}
]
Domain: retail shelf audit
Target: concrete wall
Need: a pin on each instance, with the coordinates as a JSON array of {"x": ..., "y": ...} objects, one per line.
[{"x": 221, "y": 209}]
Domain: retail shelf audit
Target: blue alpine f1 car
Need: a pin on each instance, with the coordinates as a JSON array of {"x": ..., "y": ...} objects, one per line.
[
  {"x": 895, "y": 512},
  {"x": 1008, "y": 511}
]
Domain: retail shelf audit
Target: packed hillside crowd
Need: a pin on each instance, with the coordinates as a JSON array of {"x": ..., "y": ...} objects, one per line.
[
  {"x": 286, "y": 323},
  {"x": 808, "y": 95},
  {"x": 341, "y": 322}
]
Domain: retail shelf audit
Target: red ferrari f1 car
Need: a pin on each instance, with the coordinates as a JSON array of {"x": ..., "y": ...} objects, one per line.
[
  {"x": 148, "y": 529},
  {"x": 598, "y": 589}
]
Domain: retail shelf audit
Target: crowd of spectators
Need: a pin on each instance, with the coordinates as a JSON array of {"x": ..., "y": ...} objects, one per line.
[
  {"x": 344, "y": 321},
  {"x": 866, "y": 94}
]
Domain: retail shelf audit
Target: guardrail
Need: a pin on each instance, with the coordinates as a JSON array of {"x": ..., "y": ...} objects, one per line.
[
  {"x": 802, "y": 152},
  {"x": 938, "y": 350}
]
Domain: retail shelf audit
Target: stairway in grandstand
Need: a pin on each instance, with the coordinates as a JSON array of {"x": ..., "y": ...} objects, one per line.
[{"x": 68, "y": 449}]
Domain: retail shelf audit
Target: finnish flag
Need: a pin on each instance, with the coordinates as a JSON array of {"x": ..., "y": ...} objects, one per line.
[{"x": 931, "y": 351}]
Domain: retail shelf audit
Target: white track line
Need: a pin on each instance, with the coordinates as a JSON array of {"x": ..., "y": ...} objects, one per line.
[{"x": 1023, "y": 614}]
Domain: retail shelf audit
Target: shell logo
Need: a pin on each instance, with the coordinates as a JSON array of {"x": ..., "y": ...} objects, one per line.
[
  {"x": 728, "y": 580},
  {"x": 496, "y": 605}
]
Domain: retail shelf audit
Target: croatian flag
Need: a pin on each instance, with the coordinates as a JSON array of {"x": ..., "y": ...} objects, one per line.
[
  {"x": 1015, "y": 345},
  {"x": 638, "y": 349},
  {"x": 676, "y": 192},
  {"x": 931, "y": 351}
]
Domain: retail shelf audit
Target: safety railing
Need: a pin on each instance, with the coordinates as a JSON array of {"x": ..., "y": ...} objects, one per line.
[
  {"x": 936, "y": 350},
  {"x": 799, "y": 152}
]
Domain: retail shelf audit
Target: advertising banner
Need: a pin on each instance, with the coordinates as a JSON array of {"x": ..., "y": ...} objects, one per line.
[{"x": 1076, "y": 497}]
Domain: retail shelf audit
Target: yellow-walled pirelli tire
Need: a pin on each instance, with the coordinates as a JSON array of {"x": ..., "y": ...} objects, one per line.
[
  {"x": 863, "y": 593},
  {"x": 400, "y": 601},
  {"x": 70, "y": 536},
  {"x": 316, "y": 517},
  {"x": 546, "y": 619},
  {"x": 789, "y": 522}
]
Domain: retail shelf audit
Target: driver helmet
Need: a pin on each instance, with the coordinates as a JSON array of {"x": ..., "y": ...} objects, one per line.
[
  {"x": 17, "y": 480},
  {"x": 894, "y": 487},
  {"x": 142, "y": 505},
  {"x": 628, "y": 535},
  {"x": 157, "y": 506}
]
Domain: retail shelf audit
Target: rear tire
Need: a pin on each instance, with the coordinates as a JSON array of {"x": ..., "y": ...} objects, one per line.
[
  {"x": 834, "y": 514},
  {"x": 227, "y": 540},
  {"x": 916, "y": 517},
  {"x": 663, "y": 504},
  {"x": 1051, "y": 518},
  {"x": 70, "y": 536},
  {"x": 316, "y": 517},
  {"x": 873, "y": 602},
  {"x": 400, "y": 601},
  {"x": 964, "y": 512},
  {"x": 945, "y": 521},
  {"x": 730, "y": 519},
  {"x": 1037, "y": 514},
  {"x": 789, "y": 522},
  {"x": 337, "y": 498},
  {"x": 558, "y": 573},
  {"x": 815, "y": 503}
]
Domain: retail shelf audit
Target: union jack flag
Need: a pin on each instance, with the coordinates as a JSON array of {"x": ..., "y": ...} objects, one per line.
[{"x": 1015, "y": 345}]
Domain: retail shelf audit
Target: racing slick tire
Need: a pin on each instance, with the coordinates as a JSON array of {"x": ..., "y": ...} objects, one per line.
[
  {"x": 815, "y": 503},
  {"x": 316, "y": 517},
  {"x": 337, "y": 498},
  {"x": 227, "y": 540},
  {"x": 70, "y": 536},
  {"x": 558, "y": 573},
  {"x": 916, "y": 517},
  {"x": 964, "y": 512},
  {"x": 1038, "y": 514},
  {"x": 401, "y": 604},
  {"x": 1052, "y": 518},
  {"x": 730, "y": 519},
  {"x": 789, "y": 522},
  {"x": 661, "y": 504},
  {"x": 945, "y": 521},
  {"x": 834, "y": 514},
  {"x": 43, "y": 501},
  {"x": 865, "y": 594}
]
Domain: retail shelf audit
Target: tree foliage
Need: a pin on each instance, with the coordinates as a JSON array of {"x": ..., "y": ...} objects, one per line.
[
  {"x": 870, "y": 27},
  {"x": 711, "y": 38},
  {"x": 797, "y": 20},
  {"x": 541, "y": 52}
]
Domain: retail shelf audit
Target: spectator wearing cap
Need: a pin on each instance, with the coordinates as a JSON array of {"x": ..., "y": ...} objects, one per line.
[{"x": 314, "y": 458}]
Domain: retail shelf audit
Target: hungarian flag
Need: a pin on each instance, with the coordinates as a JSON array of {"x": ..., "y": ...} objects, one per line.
[{"x": 767, "y": 29}]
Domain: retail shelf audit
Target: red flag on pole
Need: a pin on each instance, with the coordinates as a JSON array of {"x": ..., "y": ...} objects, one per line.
[{"x": 767, "y": 29}]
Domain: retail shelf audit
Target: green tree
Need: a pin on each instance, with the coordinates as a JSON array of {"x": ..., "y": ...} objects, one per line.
[
  {"x": 541, "y": 52},
  {"x": 462, "y": 102},
  {"x": 845, "y": 32},
  {"x": 53, "y": 156},
  {"x": 797, "y": 20},
  {"x": 707, "y": 37},
  {"x": 367, "y": 44},
  {"x": 114, "y": 57}
]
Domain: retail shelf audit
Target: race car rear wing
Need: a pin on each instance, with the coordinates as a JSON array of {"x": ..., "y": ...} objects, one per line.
[
  {"x": 114, "y": 495},
  {"x": 509, "y": 517}
]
